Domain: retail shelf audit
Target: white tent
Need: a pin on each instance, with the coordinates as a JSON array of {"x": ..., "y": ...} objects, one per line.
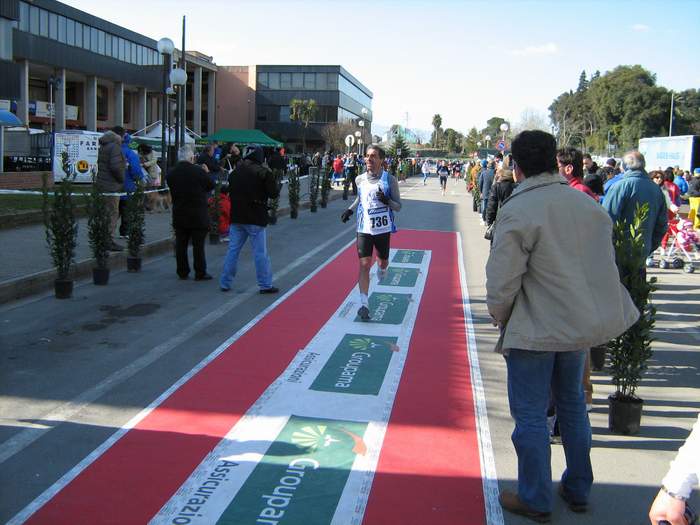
[{"x": 153, "y": 133}]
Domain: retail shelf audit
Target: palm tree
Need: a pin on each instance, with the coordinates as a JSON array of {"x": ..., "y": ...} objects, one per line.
[
  {"x": 437, "y": 124},
  {"x": 302, "y": 111}
]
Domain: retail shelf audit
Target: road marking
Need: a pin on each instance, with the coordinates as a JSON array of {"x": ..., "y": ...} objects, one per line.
[{"x": 64, "y": 412}]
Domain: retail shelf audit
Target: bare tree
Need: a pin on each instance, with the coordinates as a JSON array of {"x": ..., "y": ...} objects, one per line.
[{"x": 334, "y": 134}]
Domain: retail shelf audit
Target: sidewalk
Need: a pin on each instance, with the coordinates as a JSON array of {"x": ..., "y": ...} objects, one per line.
[{"x": 25, "y": 263}]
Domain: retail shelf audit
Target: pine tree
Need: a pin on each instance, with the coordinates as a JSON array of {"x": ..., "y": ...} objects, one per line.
[
  {"x": 582, "y": 82},
  {"x": 399, "y": 144}
]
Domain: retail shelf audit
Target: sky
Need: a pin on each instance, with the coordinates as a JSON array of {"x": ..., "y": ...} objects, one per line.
[{"x": 466, "y": 60}]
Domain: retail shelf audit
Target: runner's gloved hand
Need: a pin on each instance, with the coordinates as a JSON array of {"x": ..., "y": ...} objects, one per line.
[
  {"x": 345, "y": 217},
  {"x": 383, "y": 198}
]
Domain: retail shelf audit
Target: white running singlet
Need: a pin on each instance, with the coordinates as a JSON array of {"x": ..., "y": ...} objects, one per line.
[{"x": 375, "y": 217}]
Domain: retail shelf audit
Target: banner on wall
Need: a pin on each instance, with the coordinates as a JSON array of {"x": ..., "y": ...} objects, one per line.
[{"x": 80, "y": 151}]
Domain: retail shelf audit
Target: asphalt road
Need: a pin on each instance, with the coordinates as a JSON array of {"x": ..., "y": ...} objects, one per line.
[{"x": 74, "y": 371}]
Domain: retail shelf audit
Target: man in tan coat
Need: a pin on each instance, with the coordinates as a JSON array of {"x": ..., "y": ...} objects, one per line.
[{"x": 554, "y": 291}]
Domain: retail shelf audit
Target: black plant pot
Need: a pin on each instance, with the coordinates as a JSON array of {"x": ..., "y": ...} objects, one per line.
[
  {"x": 100, "y": 276},
  {"x": 294, "y": 214},
  {"x": 214, "y": 238},
  {"x": 63, "y": 288},
  {"x": 624, "y": 415},
  {"x": 133, "y": 264},
  {"x": 313, "y": 209},
  {"x": 598, "y": 357}
]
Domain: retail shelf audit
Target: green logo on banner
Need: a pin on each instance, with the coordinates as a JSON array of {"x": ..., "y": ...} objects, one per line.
[
  {"x": 408, "y": 256},
  {"x": 400, "y": 277},
  {"x": 387, "y": 308},
  {"x": 300, "y": 479},
  {"x": 358, "y": 365}
]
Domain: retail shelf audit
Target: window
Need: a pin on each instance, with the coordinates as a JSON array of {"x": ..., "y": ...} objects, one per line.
[
  {"x": 262, "y": 80},
  {"x": 115, "y": 47},
  {"x": 53, "y": 26},
  {"x": 284, "y": 114},
  {"x": 70, "y": 32},
  {"x": 309, "y": 81},
  {"x": 273, "y": 80},
  {"x": 127, "y": 51},
  {"x": 78, "y": 34},
  {"x": 134, "y": 50},
  {"x": 102, "y": 103},
  {"x": 332, "y": 81},
  {"x": 122, "y": 47},
  {"x": 297, "y": 80},
  {"x": 100, "y": 42},
  {"x": 43, "y": 22},
  {"x": 23, "y": 16},
  {"x": 34, "y": 20},
  {"x": 321, "y": 81},
  {"x": 62, "y": 22},
  {"x": 94, "y": 44},
  {"x": 285, "y": 81},
  {"x": 86, "y": 37}
]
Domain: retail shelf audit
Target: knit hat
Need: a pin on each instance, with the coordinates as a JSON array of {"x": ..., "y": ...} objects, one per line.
[{"x": 484, "y": 163}]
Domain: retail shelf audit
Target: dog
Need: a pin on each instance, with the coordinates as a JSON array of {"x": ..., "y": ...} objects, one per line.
[{"x": 158, "y": 201}]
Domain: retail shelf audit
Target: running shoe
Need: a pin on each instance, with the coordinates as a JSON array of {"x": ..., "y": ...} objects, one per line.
[{"x": 363, "y": 312}]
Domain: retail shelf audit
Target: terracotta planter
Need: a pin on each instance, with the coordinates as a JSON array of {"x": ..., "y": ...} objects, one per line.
[
  {"x": 624, "y": 415},
  {"x": 100, "y": 276},
  {"x": 63, "y": 288},
  {"x": 133, "y": 264}
]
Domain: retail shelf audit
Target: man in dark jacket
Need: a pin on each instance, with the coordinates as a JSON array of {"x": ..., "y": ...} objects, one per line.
[
  {"x": 189, "y": 187},
  {"x": 207, "y": 158},
  {"x": 250, "y": 186},
  {"x": 110, "y": 174},
  {"x": 485, "y": 182}
]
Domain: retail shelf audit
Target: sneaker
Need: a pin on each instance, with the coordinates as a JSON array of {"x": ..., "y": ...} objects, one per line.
[
  {"x": 114, "y": 247},
  {"x": 511, "y": 502},
  {"x": 271, "y": 289},
  {"x": 363, "y": 313},
  {"x": 574, "y": 506},
  {"x": 205, "y": 277}
]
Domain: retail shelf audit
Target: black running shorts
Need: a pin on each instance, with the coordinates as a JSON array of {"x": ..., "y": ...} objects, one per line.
[{"x": 366, "y": 242}]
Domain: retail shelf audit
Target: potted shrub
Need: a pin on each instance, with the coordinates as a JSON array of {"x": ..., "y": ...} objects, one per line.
[
  {"x": 61, "y": 228},
  {"x": 293, "y": 192},
  {"x": 99, "y": 234},
  {"x": 325, "y": 189},
  {"x": 274, "y": 204},
  {"x": 215, "y": 214},
  {"x": 630, "y": 351},
  {"x": 135, "y": 228},
  {"x": 313, "y": 189}
]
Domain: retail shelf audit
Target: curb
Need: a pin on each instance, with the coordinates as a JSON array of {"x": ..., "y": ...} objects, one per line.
[{"x": 35, "y": 283}]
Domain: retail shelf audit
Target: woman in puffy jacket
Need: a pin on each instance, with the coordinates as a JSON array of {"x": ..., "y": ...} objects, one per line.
[{"x": 500, "y": 191}]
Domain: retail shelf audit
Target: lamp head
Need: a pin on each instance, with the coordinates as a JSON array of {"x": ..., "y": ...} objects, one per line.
[
  {"x": 178, "y": 77},
  {"x": 166, "y": 46}
]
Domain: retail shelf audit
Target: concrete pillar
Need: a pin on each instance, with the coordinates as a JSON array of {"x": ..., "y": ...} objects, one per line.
[
  {"x": 197, "y": 101},
  {"x": 91, "y": 103},
  {"x": 141, "y": 101},
  {"x": 211, "y": 104},
  {"x": 23, "y": 103},
  {"x": 60, "y": 100},
  {"x": 119, "y": 104}
]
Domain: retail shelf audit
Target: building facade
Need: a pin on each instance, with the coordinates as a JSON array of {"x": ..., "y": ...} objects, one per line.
[
  {"x": 63, "y": 68},
  {"x": 260, "y": 96}
]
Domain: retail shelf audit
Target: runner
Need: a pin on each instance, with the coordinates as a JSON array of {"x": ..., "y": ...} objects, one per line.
[
  {"x": 443, "y": 172},
  {"x": 425, "y": 169},
  {"x": 377, "y": 200}
]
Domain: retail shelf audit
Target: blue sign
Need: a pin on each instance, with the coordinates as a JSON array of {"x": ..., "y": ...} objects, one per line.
[{"x": 501, "y": 145}]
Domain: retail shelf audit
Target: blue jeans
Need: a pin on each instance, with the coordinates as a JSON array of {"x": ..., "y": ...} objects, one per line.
[
  {"x": 238, "y": 233},
  {"x": 531, "y": 377},
  {"x": 425, "y": 177}
]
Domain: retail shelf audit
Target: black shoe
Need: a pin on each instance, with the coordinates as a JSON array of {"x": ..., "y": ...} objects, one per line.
[
  {"x": 205, "y": 277},
  {"x": 363, "y": 312},
  {"x": 573, "y": 505},
  {"x": 224, "y": 289},
  {"x": 271, "y": 289},
  {"x": 114, "y": 247},
  {"x": 183, "y": 277}
]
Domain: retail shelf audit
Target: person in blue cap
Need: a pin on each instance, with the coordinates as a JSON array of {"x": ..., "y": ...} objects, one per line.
[{"x": 132, "y": 176}]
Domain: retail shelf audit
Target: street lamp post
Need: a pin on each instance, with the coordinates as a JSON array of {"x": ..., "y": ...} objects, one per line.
[
  {"x": 487, "y": 138},
  {"x": 360, "y": 123},
  {"x": 358, "y": 134},
  {"x": 165, "y": 48},
  {"x": 178, "y": 77},
  {"x": 670, "y": 120},
  {"x": 504, "y": 129}
]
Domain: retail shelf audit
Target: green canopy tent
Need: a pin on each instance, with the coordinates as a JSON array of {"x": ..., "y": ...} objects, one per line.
[{"x": 243, "y": 137}]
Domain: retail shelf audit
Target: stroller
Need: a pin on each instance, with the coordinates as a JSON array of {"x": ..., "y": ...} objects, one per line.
[{"x": 680, "y": 247}]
